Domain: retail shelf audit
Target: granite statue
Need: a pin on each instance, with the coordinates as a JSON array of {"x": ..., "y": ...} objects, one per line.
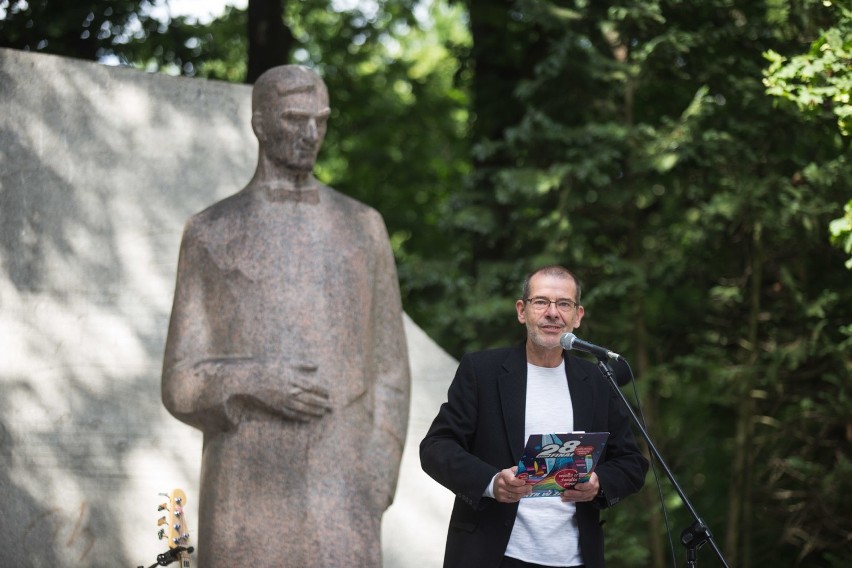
[{"x": 286, "y": 348}]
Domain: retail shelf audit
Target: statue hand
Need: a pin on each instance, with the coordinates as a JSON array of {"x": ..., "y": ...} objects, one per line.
[
  {"x": 278, "y": 387},
  {"x": 303, "y": 401}
]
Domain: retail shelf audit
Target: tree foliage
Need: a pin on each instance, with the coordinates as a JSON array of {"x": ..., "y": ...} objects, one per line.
[
  {"x": 820, "y": 82},
  {"x": 118, "y": 31}
]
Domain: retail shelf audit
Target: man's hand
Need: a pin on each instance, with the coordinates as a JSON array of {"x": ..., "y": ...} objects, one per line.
[
  {"x": 583, "y": 491},
  {"x": 508, "y": 488}
]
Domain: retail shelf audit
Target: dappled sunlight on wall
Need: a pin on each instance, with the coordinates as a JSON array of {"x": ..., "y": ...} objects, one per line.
[{"x": 99, "y": 169}]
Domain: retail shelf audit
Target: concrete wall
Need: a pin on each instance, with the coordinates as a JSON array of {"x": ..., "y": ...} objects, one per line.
[{"x": 99, "y": 169}]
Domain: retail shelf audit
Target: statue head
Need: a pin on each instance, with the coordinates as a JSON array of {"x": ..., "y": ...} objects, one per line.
[{"x": 289, "y": 114}]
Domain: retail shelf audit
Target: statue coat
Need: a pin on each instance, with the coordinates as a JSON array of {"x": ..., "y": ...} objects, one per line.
[{"x": 271, "y": 295}]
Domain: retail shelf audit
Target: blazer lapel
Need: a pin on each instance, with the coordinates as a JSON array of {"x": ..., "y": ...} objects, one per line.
[
  {"x": 512, "y": 385},
  {"x": 582, "y": 394}
]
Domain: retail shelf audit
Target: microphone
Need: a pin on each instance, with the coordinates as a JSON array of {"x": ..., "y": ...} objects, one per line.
[{"x": 570, "y": 341}]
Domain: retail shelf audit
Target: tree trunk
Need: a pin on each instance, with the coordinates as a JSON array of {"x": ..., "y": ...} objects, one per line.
[
  {"x": 738, "y": 537},
  {"x": 503, "y": 54},
  {"x": 269, "y": 39}
]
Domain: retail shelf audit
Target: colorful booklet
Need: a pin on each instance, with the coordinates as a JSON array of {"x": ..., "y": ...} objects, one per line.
[{"x": 553, "y": 463}]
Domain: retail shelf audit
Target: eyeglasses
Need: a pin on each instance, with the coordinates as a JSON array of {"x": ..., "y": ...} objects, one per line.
[{"x": 541, "y": 304}]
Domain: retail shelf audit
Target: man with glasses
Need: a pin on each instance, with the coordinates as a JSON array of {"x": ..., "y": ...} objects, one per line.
[{"x": 496, "y": 400}]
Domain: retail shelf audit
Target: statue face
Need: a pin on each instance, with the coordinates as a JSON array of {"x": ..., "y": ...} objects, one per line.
[{"x": 294, "y": 128}]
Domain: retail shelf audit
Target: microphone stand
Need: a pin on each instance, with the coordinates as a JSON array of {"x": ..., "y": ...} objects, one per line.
[{"x": 696, "y": 535}]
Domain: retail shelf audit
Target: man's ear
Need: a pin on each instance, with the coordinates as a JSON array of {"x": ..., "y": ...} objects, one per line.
[
  {"x": 519, "y": 307},
  {"x": 257, "y": 126},
  {"x": 580, "y": 312}
]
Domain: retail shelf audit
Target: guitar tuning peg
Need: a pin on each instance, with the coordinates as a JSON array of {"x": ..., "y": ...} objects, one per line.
[
  {"x": 161, "y": 521},
  {"x": 161, "y": 534},
  {"x": 162, "y": 507},
  {"x": 163, "y": 494},
  {"x": 178, "y": 500}
]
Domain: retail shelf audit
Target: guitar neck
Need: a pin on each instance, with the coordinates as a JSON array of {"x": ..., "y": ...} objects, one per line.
[{"x": 175, "y": 529}]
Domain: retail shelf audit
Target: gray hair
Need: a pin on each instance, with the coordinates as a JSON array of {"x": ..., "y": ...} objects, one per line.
[{"x": 551, "y": 270}]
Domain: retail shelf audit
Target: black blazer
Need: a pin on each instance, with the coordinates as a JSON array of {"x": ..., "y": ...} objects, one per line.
[{"x": 480, "y": 431}]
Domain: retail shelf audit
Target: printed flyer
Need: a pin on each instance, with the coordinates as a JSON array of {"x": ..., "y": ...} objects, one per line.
[{"x": 552, "y": 463}]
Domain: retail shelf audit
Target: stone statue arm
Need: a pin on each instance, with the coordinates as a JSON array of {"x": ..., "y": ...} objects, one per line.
[
  {"x": 208, "y": 385},
  {"x": 393, "y": 375}
]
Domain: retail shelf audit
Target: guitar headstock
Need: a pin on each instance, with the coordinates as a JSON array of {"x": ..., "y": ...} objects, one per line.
[{"x": 173, "y": 526}]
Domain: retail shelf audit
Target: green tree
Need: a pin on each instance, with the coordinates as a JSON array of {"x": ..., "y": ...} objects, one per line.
[
  {"x": 649, "y": 158},
  {"x": 121, "y": 31},
  {"x": 820, "y": 82},
  {"x": 397, "y": 136}
]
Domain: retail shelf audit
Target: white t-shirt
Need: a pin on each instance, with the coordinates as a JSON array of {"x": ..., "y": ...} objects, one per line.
[{"x": 545, "y": 530}]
